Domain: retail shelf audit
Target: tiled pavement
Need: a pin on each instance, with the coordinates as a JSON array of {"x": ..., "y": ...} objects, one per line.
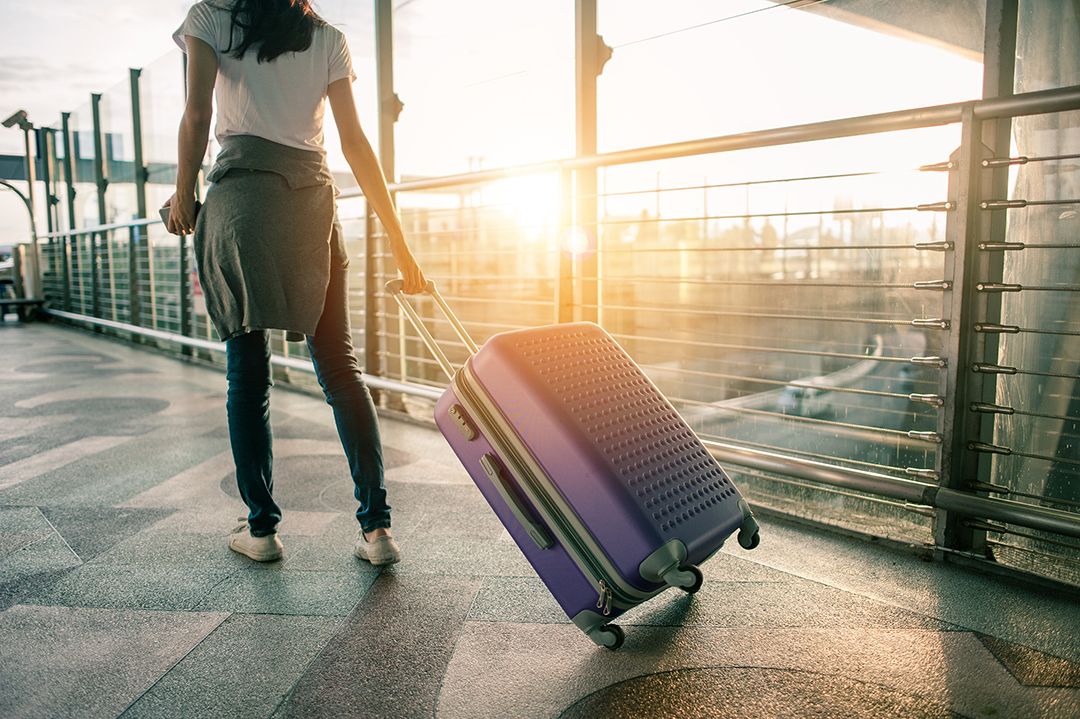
[{"x": 119, "y": 597}]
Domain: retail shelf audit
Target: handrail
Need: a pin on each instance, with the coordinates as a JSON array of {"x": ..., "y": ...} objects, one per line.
[
  {"x": 1028, "y": 103},
  {"x": 862, "y": 480},
  {"x": 907, "y": 490},
  {"x": 372, "y": 381},
  {"x": 1058, "y": 99},
  {"x": 919, "y": 493},
  {"x": 138, "y": 222}
]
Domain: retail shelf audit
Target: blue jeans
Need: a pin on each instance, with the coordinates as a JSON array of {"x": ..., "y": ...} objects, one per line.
[{"x": 338, "y": 372}]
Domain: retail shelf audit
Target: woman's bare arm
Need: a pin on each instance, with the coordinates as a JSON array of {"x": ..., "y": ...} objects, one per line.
[
  {"x": 202, "y": 67},
  {"x": 368, "y": 173}
]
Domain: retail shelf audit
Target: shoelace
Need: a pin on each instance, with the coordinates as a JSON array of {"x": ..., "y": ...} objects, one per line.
[{"x": 242, "y": 526}]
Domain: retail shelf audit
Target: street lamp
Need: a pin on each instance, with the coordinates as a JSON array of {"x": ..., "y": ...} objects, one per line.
[
  {"x": 19, "y": 118},
  {"x": 26, "y": 201}
]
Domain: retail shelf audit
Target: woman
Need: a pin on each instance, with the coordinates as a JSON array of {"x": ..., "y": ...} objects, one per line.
[{"x": 270, "y": 250}]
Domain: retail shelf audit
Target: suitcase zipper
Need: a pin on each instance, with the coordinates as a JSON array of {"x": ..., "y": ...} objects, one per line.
[
  {"x": 610, "y": 590},
  {"x": 604, "y": 602}
]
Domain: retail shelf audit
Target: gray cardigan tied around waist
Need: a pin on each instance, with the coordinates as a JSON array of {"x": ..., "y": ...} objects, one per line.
[{"x": 262, "y": 239}]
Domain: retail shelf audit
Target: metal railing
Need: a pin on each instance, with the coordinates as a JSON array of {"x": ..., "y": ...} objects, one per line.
[
  {"x": 887, "y": 349},
  {"x": 847, "y": 368}
]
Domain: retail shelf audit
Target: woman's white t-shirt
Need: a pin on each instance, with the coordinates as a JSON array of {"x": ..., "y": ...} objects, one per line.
[{"x": 282, "y": 100}]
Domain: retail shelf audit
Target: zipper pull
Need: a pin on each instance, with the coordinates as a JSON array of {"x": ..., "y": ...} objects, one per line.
[{"x": 604, "y": 600}]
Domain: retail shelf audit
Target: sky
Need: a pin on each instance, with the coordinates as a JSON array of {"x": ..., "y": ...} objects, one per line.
[
  {"x": 488, "y": 83},
  {"x": 54, "y": 53}
]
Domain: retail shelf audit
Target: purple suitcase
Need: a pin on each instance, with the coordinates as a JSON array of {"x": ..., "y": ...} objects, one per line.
[{"x": 609, "y": 494}]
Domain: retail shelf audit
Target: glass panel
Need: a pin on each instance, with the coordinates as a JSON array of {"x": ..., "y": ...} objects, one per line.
[
  {"x": 1043, "y": 435},
  {"x": 60, "y": 178},
  {"x": 81, "y": 129},
  {"x": 486, "y": 83},
  {"x": 161, "y": 93},
  {"x": 81, "y": 126},
  {"x": 1047, "y": 45},
  {"x": 700, "y": 68},
  {"x": 118, "y": 138},
  {"x": 357, "y": 21},
  {"x": 120, "y": 204}
]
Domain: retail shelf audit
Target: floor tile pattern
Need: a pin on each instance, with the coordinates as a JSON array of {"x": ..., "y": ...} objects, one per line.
[{"x": 119, "y": 597}]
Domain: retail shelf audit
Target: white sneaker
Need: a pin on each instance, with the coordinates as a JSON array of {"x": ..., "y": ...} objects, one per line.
[
  {"x": 261, "y": 549},
  {"x": 383, "y": 550}
]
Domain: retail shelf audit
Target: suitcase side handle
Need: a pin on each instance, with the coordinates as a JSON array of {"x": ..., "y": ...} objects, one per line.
[
  {"x": 395, "y": 289},
  {"x": 509, "y": 493}
]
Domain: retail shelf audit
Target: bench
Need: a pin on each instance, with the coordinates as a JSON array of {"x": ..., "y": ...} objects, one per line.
[{"x": 21, "y": 307}]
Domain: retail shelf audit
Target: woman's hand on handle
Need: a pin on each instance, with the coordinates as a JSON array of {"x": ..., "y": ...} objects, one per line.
[{"x": 413, "y": 276}]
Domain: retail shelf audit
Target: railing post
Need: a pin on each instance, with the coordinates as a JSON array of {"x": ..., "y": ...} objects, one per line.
[
  {"x": 57, "y": 174},
  {"x": 30, "y": 167},
  {"x": 100, "y": 182},
  {"x": 69, "y": 174},
  {"x": 41, "y": 141},
  {"x": 961, "y": 467},
  {"x": 958, "y": 303},
  {"x": 49, "y": 179},
  {"x": 390, "y": 107},
  {"x": 590, "y": 54},
  {"x": 59, "y": 250},
  {"x": 136, "y": 242},
  {"x": 30, "y": 159},
  {"x": 184, "y": 291},
  {"x": 977, "y": 468},
  {"x": 564, "y": 278},
  {"x": 372, "y": 364}
]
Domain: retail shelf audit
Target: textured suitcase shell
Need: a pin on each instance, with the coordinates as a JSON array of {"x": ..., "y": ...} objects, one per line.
[
  {"x": 599, "y": 481},
  {"x": 609, "y": 441},
  {"x": 630, "y": 472}
]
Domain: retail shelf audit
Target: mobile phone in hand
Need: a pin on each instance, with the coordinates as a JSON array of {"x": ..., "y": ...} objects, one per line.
[{"x": 164, "y": 212}]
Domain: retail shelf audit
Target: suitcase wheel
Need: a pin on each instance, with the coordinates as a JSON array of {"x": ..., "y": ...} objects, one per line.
[
  {"x": 749, "y": 540},
  {"x": 686, "y": 577},
  {"x": 610, "y": 636},
  {"x": 749, "y": 537},
  {"x": 699, "y": 579}
]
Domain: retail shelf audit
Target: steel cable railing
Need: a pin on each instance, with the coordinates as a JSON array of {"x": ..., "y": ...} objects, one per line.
[{"x": 718, "y": 334}]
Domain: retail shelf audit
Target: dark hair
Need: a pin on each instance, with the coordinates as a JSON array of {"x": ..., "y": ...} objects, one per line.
[{"x": 275, "y": 26}]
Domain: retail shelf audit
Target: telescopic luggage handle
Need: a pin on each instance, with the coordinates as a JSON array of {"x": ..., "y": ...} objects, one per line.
[{"x": 395, "y": 288}]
